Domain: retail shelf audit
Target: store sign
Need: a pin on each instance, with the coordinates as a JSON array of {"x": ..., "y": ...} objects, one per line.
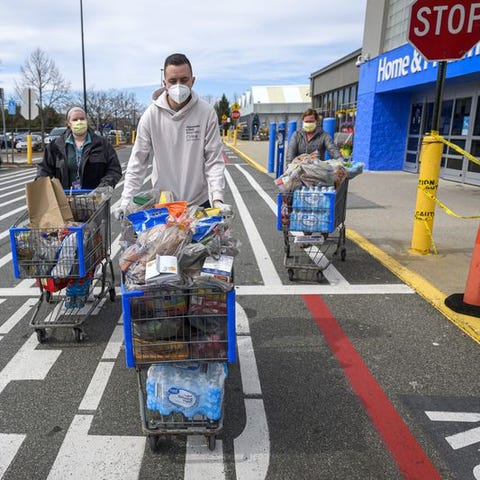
[{"x": 390, "y": 68}]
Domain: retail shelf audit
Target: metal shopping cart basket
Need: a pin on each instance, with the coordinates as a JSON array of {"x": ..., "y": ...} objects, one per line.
[
  {"x": 313, "y": 224},
  {"x": 179, "y": 341},
  {"x": 72, "y": 260}
]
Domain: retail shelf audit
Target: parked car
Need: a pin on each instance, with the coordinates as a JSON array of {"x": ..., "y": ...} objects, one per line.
[
  {"x": 21, "y": 143},
  {"x": 54, "y": 133},
  {"x": 112, "y": 135},
  {"x": 5, "y": 142}
]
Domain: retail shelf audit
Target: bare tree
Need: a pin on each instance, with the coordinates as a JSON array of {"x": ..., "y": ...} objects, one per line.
[
  {"x": 40, "y": 73},
  {"x": 117, "y": 108}
]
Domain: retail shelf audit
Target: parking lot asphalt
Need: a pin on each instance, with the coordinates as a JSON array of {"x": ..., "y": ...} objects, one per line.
[{"x": 380, "y": 218}]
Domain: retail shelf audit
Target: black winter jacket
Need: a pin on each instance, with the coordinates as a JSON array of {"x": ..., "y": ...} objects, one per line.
[{"x": 99, "y": 166}]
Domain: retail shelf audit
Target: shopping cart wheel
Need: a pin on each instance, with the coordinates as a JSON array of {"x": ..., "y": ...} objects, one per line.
[
  {"x": 343, "y": 254},
  {"x": 112, "y": 294},
  {"x": 41, "y": 334},
  {"x": 79, "y": 334},
  {"x": 154, "y": 443},
  {"x": 212, "y": 440},
  {"x": 291, "y": 274}
]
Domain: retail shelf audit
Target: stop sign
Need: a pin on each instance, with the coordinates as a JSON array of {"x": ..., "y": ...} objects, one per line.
[
  {"x": 236, "y": 114},
  {"x": 444, "y": 29}
]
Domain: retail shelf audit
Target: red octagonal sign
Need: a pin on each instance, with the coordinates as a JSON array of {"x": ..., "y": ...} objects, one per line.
[{"x": 444, "y": 30}]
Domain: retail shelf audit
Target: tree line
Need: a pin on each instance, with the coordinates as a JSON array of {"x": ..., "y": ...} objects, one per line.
[{"x": 115, "y": 109}]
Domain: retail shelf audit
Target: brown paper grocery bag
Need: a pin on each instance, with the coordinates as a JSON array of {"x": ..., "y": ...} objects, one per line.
[
  {"x": 62, "y": 200},
  {"x": 43, "y": 207}
]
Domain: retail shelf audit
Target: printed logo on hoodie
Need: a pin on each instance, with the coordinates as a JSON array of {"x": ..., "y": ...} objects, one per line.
[{"x": 192, "y": 133}]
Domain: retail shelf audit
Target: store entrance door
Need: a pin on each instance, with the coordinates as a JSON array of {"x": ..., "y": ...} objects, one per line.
[{"x": 414, "y": 138}]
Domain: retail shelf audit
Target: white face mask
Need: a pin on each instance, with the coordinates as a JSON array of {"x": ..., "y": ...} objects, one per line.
[{"x": 179, "y": 93}]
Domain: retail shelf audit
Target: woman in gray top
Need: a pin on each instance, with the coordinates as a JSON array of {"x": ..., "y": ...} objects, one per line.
[{"x": 311, "y": 138}]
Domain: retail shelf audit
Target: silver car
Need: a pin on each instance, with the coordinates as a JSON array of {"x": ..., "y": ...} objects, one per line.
[
  {"x": 55, "y": 133},
  {"x": 21, "y": 143}
]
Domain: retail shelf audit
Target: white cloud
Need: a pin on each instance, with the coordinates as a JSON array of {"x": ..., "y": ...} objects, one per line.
[{"x": 231, "y": 45}]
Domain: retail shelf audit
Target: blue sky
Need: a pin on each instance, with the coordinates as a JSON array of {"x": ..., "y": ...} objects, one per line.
[{"x": 232, "y": 45}]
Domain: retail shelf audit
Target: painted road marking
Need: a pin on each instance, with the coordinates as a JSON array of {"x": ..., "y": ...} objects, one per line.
[
  {"x": 375, "y": 289},
  {"x": 98, "y": 383},
  {"x": 252, "y": 446},
  {"x": 112, "y": 350},
  {"x": 464, "y": 439},
  {"x": 18, "y": 315},
  {"x": 84, "y": 456},
  {"x": 461, "y": 439},
  {"x": 442, "y": 416},
  {"x": 201, "y": 462},
  {"x": 9, "y": 446},
  {"x": 28, "y": 363},
  {"x": 265, "y": 264},
  {"x": 404, "y": 448},
  {"x": 248, "y": 366}
]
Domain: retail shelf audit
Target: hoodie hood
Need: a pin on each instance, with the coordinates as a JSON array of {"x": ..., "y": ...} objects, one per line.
[{"x": 157, "y": 93}]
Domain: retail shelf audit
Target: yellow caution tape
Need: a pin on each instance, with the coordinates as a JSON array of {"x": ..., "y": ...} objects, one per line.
[
  {"x": 461, "y": 151},
  {"x": 446, "y": 209}
]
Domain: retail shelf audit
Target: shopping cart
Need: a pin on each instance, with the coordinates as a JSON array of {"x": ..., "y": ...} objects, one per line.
[
  {"x": 313, "y": 224},
  {"x": 170, "y": 332},
  {"x": 73, "y": 259}
]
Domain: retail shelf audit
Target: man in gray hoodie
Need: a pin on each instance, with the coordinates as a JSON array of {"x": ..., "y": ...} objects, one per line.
[{"x": 181, "y": 130}]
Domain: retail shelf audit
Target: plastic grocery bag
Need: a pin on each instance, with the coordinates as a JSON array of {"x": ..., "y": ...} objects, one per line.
[{"x": 145, "y": 219}]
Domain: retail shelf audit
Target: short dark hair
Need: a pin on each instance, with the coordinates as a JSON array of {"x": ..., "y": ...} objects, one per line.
[
  {"x": 311, "y": 111},
  {"x": 177, "y": 59}
]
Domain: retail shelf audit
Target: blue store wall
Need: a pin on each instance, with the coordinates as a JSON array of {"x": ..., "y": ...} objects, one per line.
[{"x": 386, "y": 85}]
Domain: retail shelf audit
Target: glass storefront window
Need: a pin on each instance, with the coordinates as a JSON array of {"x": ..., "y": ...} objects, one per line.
[
  {"x": 475, "y": 151},
  {"x": 476, "y": 126},
  {"x": 461, "y": 116},
  {"x": 445, "y": 117},
  {"x": 415, "y": 120},
  {"x": 427, "y": 125}
]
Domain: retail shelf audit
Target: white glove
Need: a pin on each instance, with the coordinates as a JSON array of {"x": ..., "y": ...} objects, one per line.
[
  {"x": 119, "y": 213},
  {"x": 225, "y": 209}
]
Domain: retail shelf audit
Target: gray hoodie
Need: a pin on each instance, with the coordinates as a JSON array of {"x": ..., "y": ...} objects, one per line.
[{"x": 187, "y": 152}]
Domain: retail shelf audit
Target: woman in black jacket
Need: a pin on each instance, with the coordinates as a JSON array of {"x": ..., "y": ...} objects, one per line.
[{"x": 79, "y": 158}]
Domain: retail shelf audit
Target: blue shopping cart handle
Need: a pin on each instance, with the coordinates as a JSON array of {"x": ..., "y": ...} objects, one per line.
[{"x": 77, "y": 192}]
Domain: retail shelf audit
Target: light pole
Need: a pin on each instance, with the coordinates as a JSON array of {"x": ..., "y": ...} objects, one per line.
[{"x": 83, "y": 60}]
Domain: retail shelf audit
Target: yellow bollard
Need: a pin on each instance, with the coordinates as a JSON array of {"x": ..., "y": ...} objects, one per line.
[
  {"x": 133, "y": 136},
  {"x": 117, "y": 138},
  {"x": 235, "y": 137},
  {"x": 430, "y": 159},
  {"x": 29, "y": 149}
]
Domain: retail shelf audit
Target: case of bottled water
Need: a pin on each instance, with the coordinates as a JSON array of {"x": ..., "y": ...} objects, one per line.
[{"x": 190, "y": 388}]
